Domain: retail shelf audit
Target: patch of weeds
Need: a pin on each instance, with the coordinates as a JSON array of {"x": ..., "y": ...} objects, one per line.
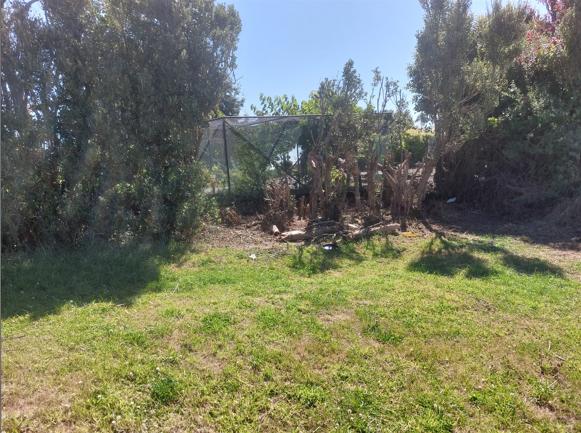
[
  {"x": 433, "y": 416},
  {"x": 382, "y": 334},
  {"x": 260, "y": 358},
  {"x": 172, "y": 313},
  {"x": 445, "y": 257},
  {"x": 530, "y": 265},
  {"x": 324, "y": 298},
  {"x": 44, "y": 281},
  {"x": 451, "y": 256},
  {"x": 450, "y": 264},
  {"x": 313, "y": 259},
  {"x": 308, "y": 395},
  {"x": 220, "y": 276},
  {"x": 543, "y": 392},
  {"x": 373, "y": 326},
  {"x": 206, "y": 261},
  {"x": 136, "y": 372},
  {"x": 267, "y": 374},
  {"x": 135, "y": 338},
  {"x": 230, "y": 380},
  {"x": 165, "y": 389},
  {"x": 216, "y": 323},
  {"x": 269, "y": 318},
  {"x": 277, "y": 320},
  {"x": 498, "y": 397},
  {"x": 111, "y": 406},
  {"x": 433, "y": 421},
  {"x": 343, "y": 374},
  {"x": 382, "y": 248},
  {"x": 172, "y": 358},
  {"x": 16, "y": 425},
  {"x": 359, "y": 410},
  {"x": 160, "y": 331}
]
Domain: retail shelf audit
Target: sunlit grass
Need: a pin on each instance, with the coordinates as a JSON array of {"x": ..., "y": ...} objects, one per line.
[{"x": 386, "y": 335}]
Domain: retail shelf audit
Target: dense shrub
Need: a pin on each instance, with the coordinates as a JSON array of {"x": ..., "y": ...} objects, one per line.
[
  {"x": 102, "y": 109},
  {"x": 528, "y": 157}
]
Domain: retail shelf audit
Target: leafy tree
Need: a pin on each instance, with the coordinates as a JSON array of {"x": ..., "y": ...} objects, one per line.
[
  {"x": 526, "y": 155},
  {"x": 454, "y": 90},
  {"x": 114, "y": 95}
]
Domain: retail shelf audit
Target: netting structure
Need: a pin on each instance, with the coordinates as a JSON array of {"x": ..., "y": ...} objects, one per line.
[{"x": 243, "y": 151}]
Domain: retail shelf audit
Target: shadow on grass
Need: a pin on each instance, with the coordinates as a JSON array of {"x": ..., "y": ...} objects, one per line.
[
  {"x": 530, "y": 265},
  {"x": 449, "y": 264},
  {"x": 39, "y": 283},
  {"x": 451, "y": 256},
  {"x": 313, "y": 259},
  {"x": 382, "y": 248}
]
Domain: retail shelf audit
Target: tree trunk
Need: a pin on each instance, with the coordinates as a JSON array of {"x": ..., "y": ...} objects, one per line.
[
  {"x": 357, "y": 187},
  {"x": 422, "y": 188},
  {"x": 371, "y": 171},
  {"x": 386, "y": 190},
  {"x": 352, "y": 167},
  {"x": 327, "y": 186},
  {"x": 315, "y": 168}
]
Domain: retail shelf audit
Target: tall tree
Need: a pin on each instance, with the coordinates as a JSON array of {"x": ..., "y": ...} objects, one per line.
[
  {"x": 453, "y": 89},
  {"x": 105, "y": 101}
]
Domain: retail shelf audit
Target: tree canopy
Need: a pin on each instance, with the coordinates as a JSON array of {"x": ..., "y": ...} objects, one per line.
[{"x": 102, "y": 108}]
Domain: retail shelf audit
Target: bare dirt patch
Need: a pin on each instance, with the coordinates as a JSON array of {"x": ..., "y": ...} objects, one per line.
[
  {"x": 245, "y": 236},
  {"x": 336, "y": 317}
]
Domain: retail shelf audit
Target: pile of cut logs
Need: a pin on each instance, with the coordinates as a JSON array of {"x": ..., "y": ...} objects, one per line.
[{"x": 318, "y": 229}]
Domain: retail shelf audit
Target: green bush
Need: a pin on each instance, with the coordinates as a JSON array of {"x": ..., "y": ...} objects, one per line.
[{"x": 105, "y": 143}]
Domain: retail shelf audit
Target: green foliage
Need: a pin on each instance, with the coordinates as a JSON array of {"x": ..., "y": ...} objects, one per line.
[
  {"x": 102, "y": 108},
  {"x": 416, "y": 142},
  {"x": 165, "y": 389},
  {"x": 216, "y": 323},
  {"x": 454, "y": 89},
  {"x": 277, "y": 106},
  {"x": 507, "y": 89}
]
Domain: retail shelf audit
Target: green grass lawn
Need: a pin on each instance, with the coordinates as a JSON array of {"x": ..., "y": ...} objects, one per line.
[{"x": 399, "y": 335}]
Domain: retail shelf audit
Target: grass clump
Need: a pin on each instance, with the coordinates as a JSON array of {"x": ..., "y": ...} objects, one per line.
[
  {"x": 165, "y": 389},
  {"x": 216, "y": 323}
]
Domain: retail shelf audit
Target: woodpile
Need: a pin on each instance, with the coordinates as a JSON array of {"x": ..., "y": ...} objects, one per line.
[
  {"x": 319, "y": 230},
  {"x": 230, "y": 217},
  {"x": 374, "y": 230},
  {"x": 280, "y": 205}
]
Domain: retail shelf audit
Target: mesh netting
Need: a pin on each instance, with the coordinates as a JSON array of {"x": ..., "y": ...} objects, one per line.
[{"x": 244, "y": 152}]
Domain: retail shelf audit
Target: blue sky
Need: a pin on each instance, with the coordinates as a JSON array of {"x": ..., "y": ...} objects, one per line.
[{"x": 288, "y": 46}]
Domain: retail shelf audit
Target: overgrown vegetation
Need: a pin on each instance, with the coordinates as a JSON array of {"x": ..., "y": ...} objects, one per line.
[
  {"x": 110, "y": 326},
  {"x": 102, "y": 107},
  {"x": 499, "y": 95},
  {"x": 406, "y": 334},
  {"x": 104, "y": 103},
  {"x": 506, "y": 117}
]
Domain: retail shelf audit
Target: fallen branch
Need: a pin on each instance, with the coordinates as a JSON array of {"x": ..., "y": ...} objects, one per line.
[
  {"x": 294, "y": 236},
  {"x": 374, "y": 230},
  {"x": 316, "y": 231}
]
